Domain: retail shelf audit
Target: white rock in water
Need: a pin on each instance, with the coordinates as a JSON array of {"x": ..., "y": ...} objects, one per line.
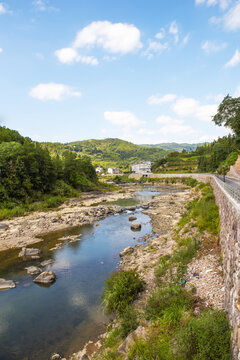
[
  {"x": 33, "y": 270},
  {"x": 29, "y": 252},
  {"x": 46, "y": 277},
  {"x": 7, "y": 284},
  {"x": 46, "y": 262}
]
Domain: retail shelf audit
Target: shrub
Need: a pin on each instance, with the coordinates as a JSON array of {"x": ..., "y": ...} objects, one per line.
[
  {"x": 206, "y": 337},
  {"x": 168, "y": 304},
  {"x": 155, "y": 348},
  {"x": 121, "y": 288},
  {"x": 129, "y": 321}
]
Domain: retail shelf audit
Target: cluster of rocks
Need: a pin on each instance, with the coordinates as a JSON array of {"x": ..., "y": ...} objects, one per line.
[{"x": 205, "y": 274}]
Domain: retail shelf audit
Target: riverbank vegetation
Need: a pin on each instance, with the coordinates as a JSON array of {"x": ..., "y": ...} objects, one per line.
[
  {"x": 174, "y": 322},
  {"x": 30, "y": 179}
]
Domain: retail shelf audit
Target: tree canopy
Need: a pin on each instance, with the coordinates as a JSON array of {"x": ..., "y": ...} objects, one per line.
[{"x": 229, "y": 114}]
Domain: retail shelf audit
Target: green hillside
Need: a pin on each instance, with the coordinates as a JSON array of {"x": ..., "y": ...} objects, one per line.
[
  {"x": 175, "y": 146},
  {"x": 110, "y": 152}
]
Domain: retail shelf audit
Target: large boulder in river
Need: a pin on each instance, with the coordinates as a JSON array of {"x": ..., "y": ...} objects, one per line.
[
  {"x": 7, "y": 284},
  {"x": 126, "y": 251},
  {"x": 136, "y": 226},
  {"x": 29, "y": 252},
  {"x": 33, "y": 270},
  {"x": 131, "y": 218},
  {"x": 46, "y": 277}
]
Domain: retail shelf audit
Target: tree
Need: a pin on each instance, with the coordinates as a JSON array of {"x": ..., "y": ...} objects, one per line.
[{"x": 229, "y": 114}]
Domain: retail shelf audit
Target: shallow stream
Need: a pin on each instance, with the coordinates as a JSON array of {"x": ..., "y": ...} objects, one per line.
[{"x": 37, "y": 321}]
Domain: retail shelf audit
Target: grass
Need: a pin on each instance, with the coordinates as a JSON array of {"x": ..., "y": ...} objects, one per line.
[
  {"x": 206, "y": 337},
  {"x": 121, "y": 288}
]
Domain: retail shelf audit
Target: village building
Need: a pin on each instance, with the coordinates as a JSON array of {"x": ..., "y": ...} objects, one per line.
[
  {"x": 143, "y": 167},
  {"x": 114, "y": 171},
  {"x": 99, "y": 170}
]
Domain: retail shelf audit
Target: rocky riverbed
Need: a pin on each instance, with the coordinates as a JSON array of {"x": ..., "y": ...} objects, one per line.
[
  {"x": 26, "y": 230},
  {"x": 204, "y": 271}
]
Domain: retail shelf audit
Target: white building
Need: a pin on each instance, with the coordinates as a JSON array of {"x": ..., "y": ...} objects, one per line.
[
  {"x": 99, "y": 170},
  {"x": 114, "y": 171},
  {"x": 143, "y": 167}
]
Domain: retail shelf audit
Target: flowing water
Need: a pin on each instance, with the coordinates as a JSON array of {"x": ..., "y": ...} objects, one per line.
[{"x": 36, "y": 321}]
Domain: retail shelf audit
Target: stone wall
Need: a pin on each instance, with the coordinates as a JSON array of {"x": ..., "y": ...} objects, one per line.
[{"x": 229, "y": 211}]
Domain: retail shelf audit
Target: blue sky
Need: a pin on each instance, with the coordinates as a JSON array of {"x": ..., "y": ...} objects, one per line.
[{"x": 147, "y": 71}]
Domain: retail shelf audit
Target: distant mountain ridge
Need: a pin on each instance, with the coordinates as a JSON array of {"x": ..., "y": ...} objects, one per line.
[
  {"x": 176, "y": 146},
  {"x": 110, "y": 152}
]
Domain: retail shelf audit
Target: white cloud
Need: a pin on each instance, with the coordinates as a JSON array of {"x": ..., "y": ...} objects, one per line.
[
  {"x": 1, "y": 50},
  {"x": 232, "y": 18},
  {"x": 155, "y": 47},
  {"x": 216, "y": 98},
  {"x": 156, "y": 99},
  {"x": 114, "y": 38},
  {"x": 185, "y": 106},
  {"x": 70, "y": 55},
  {"x": 161, "y": 34},
  {"x": 174, "y": 126},
  {"x": 235, "y": 60},
  {"x": 223, "y": 4},
  {"x": 125, "y": 119},
  {"x": 3, "y": 9},
  {"x": 186, "y": 39},
  {"x": 43, "y": 5},
  {"x": 173, "y": 29},
  {"x": 53, "y": 91},
  {"x": 192, "y": 107},
  {"x": 206, "y": 112},
  {"x": 210, "y": 47}
]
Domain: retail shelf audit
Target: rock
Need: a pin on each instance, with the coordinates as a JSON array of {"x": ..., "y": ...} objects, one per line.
[
  {"x": 131, "y": 208},
  {"x": 33, "y": 270},
  {"x": 145, "y": 206},
  {"x": 196, "y": 311},
  {"x": 7, "y": 284},
  {"x": 46, "y": 277},
  {"x": 4, "y": 227},
  {"x": 84, "y": 357},
  {"x": 46, "y": 262},
  {"x": 131, "y": 218},
  {"x": 54, "y": 220},
  {"x": 136, "y": 226},
  {"x": 56, "y": 357},
  {"x": 130, "y": 340},
  {"x": 127, "y": 250},
  {"x": 29, "y": 252}
]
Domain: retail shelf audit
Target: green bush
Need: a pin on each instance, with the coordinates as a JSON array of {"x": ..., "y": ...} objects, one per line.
[
  {"x": 129, "y": 321},
  {"x": 168, "y": 304},
  {"x": 155, "y": 348},
  {"x": 121, "y": 288},
  {"x": 205, "y": 338}
]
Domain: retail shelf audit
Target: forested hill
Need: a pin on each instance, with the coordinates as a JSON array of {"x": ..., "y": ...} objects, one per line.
[
  {"x": 176, "y": 147},
  {"x": 110, "y": 152},
  {"x": 29, "y": 174}
]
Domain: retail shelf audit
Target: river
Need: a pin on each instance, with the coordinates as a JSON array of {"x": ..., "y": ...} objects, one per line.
[{"x": 36, "y": 321}]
